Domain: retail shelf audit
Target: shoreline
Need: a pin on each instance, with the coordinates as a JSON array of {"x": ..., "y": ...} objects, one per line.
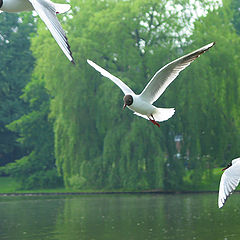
[{"x": 101, "y": 193}]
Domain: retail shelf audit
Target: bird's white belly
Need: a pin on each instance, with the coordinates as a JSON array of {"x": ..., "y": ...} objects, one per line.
[
  {"x": 142, "y": 107},
  {"x": 16, "y": 6}
]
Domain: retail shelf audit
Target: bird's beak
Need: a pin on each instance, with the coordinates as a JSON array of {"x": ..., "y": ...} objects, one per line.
[{"x": 124, "y": 106}]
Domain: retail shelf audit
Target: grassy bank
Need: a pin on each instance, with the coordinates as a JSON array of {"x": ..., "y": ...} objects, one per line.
[{"x": 9, "y": 185}]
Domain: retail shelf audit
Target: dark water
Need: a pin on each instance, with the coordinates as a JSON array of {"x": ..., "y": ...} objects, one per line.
[{"x": 120, "y": 217}]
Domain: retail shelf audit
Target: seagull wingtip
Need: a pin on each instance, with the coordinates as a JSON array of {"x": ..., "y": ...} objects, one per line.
[
  {"x": 211, "y": 44},
  {"x": 91, "y": 63}
]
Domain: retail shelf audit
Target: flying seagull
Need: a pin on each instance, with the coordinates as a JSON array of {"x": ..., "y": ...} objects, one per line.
[
  {"x": 229, "y": 181},
  {"x": 141, "y": 104},
  {"x": 47, "y": 11}
]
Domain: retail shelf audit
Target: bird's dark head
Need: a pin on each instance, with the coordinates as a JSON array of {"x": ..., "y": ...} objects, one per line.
[
  {"x": 229, "y": 165},
  {"x": 1, "y": 3},
  {"x": 128, "y": 100}
]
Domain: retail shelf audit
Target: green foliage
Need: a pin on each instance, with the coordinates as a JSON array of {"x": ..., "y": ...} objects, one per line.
[
  {"x": 25, "y": 109},
  {"x": 94, "y": 139},
  {"x": 220, "y": 85},
  {"x": 77, "y": 182},
  {"x": 99, "y": 146},
  {"x": 16, "y": 65},
  {"x": 31, "y": 175},
  {"x": 208, "y": 112},
  {"x": 8, "y": 184},
  {"x": 209, "y": 180},
  {"x": 37, "y": 168}
]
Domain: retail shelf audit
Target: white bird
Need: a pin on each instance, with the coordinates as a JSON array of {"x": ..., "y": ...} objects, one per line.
[
  {"x": 229, "y": 181},
  {"x": 141, "y": 104},
  {"x": 47, "y": 11}
]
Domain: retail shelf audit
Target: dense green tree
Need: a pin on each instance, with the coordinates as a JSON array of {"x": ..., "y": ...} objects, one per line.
[
  {"x": 37, "y": 168},
  {"x": 26, "y": 132},
  {"x": 97, "y": 144},
  {"x": 16, "y": 65},
  {"x": 208, "y": 118}
]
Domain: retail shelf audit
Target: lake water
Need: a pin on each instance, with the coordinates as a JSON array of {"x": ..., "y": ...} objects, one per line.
[{"x": 120, "y": 217}]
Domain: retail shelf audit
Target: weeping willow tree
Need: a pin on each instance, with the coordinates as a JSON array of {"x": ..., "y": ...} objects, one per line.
[
  {"x": 208, "y": 118},
  {"x": 97, "y": 145}
]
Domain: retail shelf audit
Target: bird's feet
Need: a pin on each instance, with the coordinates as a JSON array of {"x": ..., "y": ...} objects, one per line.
[{"x": 154, "y": 122}]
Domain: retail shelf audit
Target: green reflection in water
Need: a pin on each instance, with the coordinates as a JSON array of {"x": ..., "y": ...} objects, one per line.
[{"x": 115, "y": 217}]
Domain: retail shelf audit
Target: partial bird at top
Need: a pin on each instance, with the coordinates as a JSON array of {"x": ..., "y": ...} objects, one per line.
[
  {"x": 47, "y": 11},
  {"x": 141, "y": 104},
  {"x": 229, "y": 181}
]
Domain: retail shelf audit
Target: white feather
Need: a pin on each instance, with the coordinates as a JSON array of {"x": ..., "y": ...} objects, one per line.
[
  {"x": 160, "y": 114},
  {"x": 47, "y": 12},
  {"x": 168, "y": 73},
  {"x": 126, "y": 90},
  {"x": 229, "y": 181}
]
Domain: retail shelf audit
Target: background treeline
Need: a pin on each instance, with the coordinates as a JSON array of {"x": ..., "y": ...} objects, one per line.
[{"x": 62, "y": 124}]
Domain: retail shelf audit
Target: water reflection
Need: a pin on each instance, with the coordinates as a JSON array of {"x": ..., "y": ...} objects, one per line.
[
  {"x": 112, "y": 217},
  {"x": 24, "y": 218},
  {"x": 115, "y": 217}
]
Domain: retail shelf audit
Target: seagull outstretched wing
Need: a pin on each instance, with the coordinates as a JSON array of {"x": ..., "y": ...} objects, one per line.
[
  {"x": 47, "y": 12},
  {"x": 161, "y": 80},
  {"x": 126, "y": 90}
]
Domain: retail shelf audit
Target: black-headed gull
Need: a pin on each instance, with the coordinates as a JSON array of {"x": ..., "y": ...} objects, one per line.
[
  {"x": 229, "y": 181},
  {"x": 141, "y": 104},
  {"x": 47, "y": 11}
]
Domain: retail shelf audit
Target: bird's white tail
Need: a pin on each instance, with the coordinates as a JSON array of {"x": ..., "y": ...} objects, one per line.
[
  {"x": 160, "y": 114},
  {"x": 163, "y": 114},
  {"x": 62, "y": 8}
]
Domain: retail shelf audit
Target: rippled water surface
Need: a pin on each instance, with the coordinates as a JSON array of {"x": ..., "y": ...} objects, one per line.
[{"x": 120, "y": 217}]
